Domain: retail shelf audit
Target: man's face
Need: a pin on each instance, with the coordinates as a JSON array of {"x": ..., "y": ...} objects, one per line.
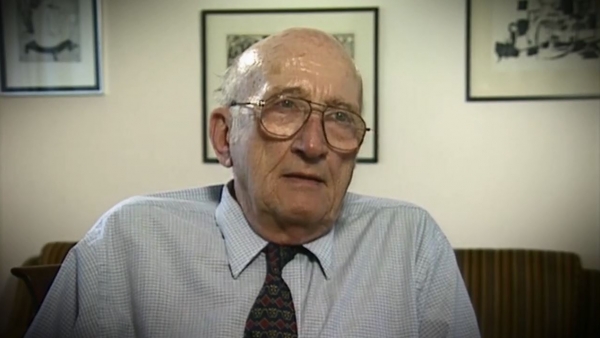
[{"x": 275, "y": 173}]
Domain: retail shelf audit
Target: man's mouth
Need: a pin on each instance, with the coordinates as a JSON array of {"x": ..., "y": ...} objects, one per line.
[{"x": 305, "y": 176}]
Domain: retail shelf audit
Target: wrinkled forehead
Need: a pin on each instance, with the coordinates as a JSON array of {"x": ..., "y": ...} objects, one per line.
[
  {"x": 318, "y": 78},
  {"x": 318, "y": 70}
]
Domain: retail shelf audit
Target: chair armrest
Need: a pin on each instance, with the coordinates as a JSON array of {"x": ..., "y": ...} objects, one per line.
[{"x": 38, "y": 280}]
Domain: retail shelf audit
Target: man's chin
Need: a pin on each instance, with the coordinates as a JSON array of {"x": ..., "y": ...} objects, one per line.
[
  {"x": 303, "y": 215},
  {"x": 303, "y": 206}
]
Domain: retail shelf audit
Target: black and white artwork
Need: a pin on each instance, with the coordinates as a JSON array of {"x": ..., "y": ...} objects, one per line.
[
  {"x": 50, "y": 47},
  {"x": 533, "y": 49},
  {"x": 48, "y": 30},
  {"x": 562, "y": 31},
  {"x": 238, "y": 43}
]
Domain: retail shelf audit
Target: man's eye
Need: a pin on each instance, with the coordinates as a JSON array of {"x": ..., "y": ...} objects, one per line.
[
  {"x": 288, "y": 104},
  {"x": 342, "y": 116}
]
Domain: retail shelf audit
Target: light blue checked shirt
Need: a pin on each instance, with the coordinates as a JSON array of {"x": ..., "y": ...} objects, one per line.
[{"x": 187, "y": 264}]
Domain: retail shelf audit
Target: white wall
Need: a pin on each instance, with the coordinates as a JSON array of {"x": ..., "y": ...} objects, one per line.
[{"x": 522, "y": 175}]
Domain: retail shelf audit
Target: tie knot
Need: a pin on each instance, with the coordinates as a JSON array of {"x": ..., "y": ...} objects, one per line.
[{"x": 279, "y": 255}]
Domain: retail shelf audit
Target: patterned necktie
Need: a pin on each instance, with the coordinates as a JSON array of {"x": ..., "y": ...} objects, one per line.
[{"x": 273, "y": 313}]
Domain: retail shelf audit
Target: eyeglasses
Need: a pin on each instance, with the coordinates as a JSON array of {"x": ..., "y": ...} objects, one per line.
[{"x": 282, "y": 117}]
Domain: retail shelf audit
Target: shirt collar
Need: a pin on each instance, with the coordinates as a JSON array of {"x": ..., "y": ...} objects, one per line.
[{"x": 242, "y": 244}]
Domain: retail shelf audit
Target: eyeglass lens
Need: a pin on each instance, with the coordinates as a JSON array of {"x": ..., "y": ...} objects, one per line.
[{"x": 283, "y": 117}]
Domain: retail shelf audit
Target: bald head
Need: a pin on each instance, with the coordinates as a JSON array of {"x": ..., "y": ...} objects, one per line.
[
  {"x": 304, "y": 49},
  {"x": 290, "y": 47}
]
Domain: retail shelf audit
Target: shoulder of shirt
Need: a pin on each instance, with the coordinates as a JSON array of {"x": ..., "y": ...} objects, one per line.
[
  {"x": 388, "y": 215},
  {"x": 355, "y": 203},
  {"x": 134, "y": 211},
  {"x": 200, "y": 199},
  {"x": 364, "y": 209}
]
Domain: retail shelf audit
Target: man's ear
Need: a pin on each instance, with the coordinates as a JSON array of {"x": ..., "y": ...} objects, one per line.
[{"x": 219, "y": 129}]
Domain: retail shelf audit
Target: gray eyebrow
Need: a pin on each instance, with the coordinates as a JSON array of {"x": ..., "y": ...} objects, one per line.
[{"x": 303, "y": 93}]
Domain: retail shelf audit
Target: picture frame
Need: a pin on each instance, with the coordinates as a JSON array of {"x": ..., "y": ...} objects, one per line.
[
  {"x": 356, "y": 27},
  {"x": 50, "y": 47},
  {"x": 532, "y": 50}
]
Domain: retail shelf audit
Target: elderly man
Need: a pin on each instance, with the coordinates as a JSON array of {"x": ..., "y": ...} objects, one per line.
[{"x": 280, "y": 251}]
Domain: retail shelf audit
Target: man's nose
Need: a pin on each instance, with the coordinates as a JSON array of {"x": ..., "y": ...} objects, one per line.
[{"x": 310, "y": 143}]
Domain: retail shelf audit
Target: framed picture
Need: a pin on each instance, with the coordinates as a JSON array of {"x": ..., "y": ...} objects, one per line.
[
  {"x": 533, "y": 49},
  {"x": 50, "y": 47},
  {"x": 225, "y": 34}
]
